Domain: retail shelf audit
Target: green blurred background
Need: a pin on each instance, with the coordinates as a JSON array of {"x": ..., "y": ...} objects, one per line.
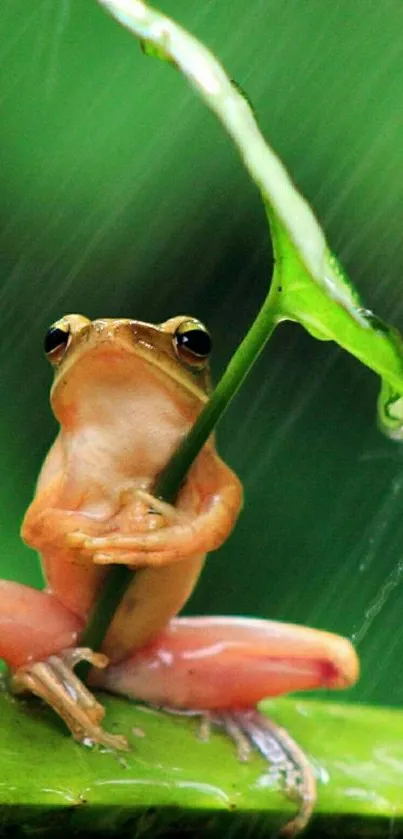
[{"x": 121, "y": 196}]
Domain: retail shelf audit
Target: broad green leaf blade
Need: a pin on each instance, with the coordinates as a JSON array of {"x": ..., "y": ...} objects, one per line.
[
  {"x": 315, "y": 290},
  {"x": 173, "y": 781},
  {"x": 295, "y": 297}
]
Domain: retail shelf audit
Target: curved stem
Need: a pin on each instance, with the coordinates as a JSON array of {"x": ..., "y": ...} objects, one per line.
[{"x": 170, "y": 479}]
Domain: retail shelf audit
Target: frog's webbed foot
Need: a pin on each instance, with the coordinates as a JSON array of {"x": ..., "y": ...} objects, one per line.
[
  {"x": 54, "y": 681},
  {"x": 250, "y": 730}
]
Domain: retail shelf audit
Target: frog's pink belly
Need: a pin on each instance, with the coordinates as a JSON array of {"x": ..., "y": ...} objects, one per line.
[{"x": 216, "y": 663}]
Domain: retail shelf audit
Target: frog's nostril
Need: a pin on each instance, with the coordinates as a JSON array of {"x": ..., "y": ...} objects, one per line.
[{"x": 104, "y": 330}]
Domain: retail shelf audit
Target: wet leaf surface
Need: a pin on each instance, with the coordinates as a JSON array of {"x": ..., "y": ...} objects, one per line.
[{"x": 171, "y": 780}]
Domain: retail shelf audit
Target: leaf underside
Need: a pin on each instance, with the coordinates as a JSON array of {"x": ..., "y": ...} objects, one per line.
[{"x": 173, "y": 782}]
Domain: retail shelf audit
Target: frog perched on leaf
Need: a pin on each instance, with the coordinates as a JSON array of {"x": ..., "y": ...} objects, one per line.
[{"x": 125, "y": 393}]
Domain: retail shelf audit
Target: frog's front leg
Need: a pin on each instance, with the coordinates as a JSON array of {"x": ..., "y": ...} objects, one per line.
[
  {"x": 206, "y": 511},
  {"x": 38, "y": 637},
  {"x": 223, "y": 667},
  {"x": 46, "y": 527}
]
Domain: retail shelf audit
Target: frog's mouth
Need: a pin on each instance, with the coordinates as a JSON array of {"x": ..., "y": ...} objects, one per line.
[{"x": 110, "y": 377}]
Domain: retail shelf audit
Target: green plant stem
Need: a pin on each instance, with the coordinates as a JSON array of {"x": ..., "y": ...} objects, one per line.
[
  {"x": 115, "y": 585},
  {"x": 170, "y": 479}
]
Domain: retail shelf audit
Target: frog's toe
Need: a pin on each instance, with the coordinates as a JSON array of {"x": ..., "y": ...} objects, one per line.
[
  {"x": 167, "y": 511},
  {"x": 225, "y": 720},
  {"x": 77, "y": 539},
  {"x": 250, "y": 730},
  {"x": 287, "y": 761},
  {"x": 74, "y": 655},
  {"x": 135, "y": 560},
  {"x": 54, "y": 681}
]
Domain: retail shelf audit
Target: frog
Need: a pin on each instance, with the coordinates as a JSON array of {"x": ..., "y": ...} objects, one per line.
[{"x": 125, "y": 393}]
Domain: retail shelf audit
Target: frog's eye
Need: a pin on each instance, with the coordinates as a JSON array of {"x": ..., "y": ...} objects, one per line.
[
  {"x": 193, "y": 344},
  {"x": 56, "y": 341}
]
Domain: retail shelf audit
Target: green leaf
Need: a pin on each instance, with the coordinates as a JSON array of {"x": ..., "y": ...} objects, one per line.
[
  {"x": 330, "y": 309},
  {"x": 314, "y": 288},
  {"x": 171, "y": 781}
]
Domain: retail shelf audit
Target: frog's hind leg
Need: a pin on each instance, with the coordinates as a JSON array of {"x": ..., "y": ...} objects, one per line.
[
  {"x": 33, "y": 624},
  {"x": 37, "y": 641},
  {"x": 223, "y": 667},
  {"x": 218, "y": 663}
]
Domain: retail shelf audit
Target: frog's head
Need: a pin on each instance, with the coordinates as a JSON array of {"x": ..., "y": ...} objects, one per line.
[{"x": 110, "y": 359}]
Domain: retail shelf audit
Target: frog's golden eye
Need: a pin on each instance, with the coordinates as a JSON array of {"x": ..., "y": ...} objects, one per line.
[
  {"x": 56, "y": 341},
  {"x": 193, "y": 344}
]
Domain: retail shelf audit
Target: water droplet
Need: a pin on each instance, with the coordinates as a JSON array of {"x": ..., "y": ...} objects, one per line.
[{"x": 375, "y": 322}]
